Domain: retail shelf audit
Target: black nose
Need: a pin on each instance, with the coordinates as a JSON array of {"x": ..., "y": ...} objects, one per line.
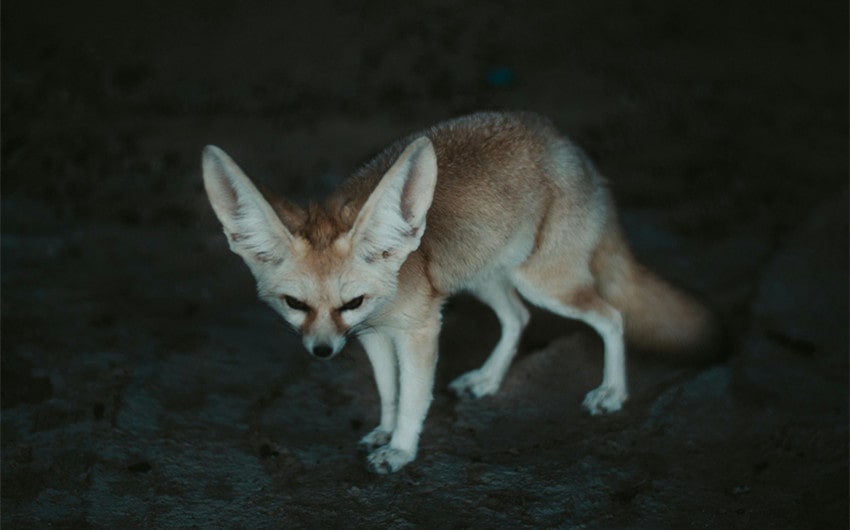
[{"x": 322, "y": 351}]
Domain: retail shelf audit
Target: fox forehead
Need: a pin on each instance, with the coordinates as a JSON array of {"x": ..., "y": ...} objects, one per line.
[
  {"x": 329, "y": 264},
  {"x": 322, "y": 249},
  {"x": 321, "y": 227},
  {"x": 321, "y": 276}
]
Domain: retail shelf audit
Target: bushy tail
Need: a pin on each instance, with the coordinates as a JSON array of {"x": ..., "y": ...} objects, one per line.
[{"x": 658, "y": 317}]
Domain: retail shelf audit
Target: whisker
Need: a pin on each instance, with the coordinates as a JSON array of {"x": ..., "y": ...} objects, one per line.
[{"x": 359, "y": 329}]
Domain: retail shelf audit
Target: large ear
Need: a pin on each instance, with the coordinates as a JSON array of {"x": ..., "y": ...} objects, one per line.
[
  {"x": 251, "y": 225},
  {"x": 391, "y": 223}
]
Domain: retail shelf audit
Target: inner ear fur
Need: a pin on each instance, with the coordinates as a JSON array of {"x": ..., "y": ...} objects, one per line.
[
  {"x": 252, "y": 226},
  {"x": 392, "y": 220}
]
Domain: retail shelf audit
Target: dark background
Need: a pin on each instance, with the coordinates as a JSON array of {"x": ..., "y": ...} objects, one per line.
[{"x": 144, "y": 386}]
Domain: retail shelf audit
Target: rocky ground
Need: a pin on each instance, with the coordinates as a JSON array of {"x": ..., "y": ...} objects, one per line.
[{"x": 144, "y": 386}]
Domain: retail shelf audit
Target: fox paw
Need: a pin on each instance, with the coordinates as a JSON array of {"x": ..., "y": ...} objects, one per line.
[
  {"x": 375, "y": 439},
  {"x": 386, "y": 459},
  {"x": 476, "y": 383},
  {"x": 604, "y": 399}
]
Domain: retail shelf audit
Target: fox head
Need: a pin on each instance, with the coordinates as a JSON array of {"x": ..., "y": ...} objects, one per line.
[{"x": 327, "y": 274}]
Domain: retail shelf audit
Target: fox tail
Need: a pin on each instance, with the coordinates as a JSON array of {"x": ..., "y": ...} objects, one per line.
[{"x": 657, "y": 316}]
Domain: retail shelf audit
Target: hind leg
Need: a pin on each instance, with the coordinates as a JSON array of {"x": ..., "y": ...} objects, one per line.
[
  {"x": 580, "y": 301},
  {"x": 500, "y": 295}
]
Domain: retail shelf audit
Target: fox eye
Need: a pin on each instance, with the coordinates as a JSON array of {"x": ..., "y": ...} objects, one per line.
[
  {"x": 295, "y": 303},
  {"x": 354, "y": 303}
]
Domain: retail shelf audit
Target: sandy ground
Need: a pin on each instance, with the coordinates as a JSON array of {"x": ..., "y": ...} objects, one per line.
[{"x": 144, "y": 386}]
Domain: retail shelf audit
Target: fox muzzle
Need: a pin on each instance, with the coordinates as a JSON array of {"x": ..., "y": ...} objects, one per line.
[{"x": 322, "y": 351}]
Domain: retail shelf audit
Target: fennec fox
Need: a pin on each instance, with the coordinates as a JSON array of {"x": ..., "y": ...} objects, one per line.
[{"x": 497, "y": 204}]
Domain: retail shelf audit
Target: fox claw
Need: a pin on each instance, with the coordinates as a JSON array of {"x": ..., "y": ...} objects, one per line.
[
  {"x": 385, "y": 460},
  {"x": 604, "y": 399},
  {"x": 476, "y": 383},
  {"x": 375, "y": 439}
]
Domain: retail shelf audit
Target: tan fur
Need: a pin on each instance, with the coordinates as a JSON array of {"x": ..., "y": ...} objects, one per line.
[
  {"x": 498, "y": 204},
  {"x": 489, "y": 171},
  {"x": 657, "y": 316}
]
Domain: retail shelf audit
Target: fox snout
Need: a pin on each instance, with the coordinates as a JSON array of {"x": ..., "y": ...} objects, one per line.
[
  {"x": 323, "y": 347},
  {"x": 322, "y": 351}
]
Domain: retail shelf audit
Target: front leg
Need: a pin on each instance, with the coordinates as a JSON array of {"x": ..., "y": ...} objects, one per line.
[
  {"x": 417, "y": 362},
  {"x": 381, "y": 351}
]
